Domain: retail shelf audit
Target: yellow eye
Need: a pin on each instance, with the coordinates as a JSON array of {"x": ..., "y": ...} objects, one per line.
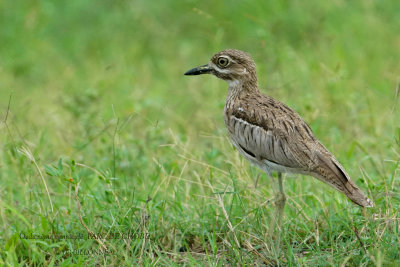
[{"x": 223, "y": 62}]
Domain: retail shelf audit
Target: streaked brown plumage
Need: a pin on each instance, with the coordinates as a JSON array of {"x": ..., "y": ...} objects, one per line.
[{"x": 270, "y": 134}]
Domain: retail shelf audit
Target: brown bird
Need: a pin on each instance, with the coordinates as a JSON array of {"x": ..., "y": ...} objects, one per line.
[{"x": 270, "y": 134}]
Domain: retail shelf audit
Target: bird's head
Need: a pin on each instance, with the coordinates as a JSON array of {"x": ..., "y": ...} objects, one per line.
[{"x": 233, "y": 66}]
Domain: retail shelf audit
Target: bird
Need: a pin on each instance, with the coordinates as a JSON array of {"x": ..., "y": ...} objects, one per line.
[{"x": 270, "y": 134}]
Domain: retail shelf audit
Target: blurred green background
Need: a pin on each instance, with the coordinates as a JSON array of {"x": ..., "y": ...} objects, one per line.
[{"x": 98, "y": 97}]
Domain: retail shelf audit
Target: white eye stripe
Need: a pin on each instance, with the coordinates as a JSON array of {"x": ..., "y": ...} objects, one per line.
[{"x": 225, "y": 71}]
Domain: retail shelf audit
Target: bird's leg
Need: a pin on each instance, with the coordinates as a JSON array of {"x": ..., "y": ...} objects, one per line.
[
  {"x": 280, "y": 199},
  {"x": 275, "y": 224}
]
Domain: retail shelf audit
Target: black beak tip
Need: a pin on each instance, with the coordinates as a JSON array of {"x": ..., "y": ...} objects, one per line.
[
  {"x": 199, "y": 70},
  {"x": 192, "y": 72},
  {"x": 189, "y": 72}
]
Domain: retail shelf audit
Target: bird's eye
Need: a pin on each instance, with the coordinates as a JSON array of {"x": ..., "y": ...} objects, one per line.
[{"x": 223, "y": 62}]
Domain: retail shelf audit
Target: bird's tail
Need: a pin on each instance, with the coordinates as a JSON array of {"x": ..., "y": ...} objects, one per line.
[{"x": 332, "y": 173}]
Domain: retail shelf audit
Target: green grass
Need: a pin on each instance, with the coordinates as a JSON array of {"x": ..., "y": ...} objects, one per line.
[{"x": 99, "y": 100}]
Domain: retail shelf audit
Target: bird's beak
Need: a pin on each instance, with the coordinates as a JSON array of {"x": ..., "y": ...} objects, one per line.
[{"x": 199, "y": 70}]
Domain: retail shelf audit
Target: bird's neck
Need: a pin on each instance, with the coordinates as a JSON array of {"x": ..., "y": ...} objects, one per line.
[{"x": 237, "y": 87}]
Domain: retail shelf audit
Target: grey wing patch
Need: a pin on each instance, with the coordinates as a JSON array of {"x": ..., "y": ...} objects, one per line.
[{"x": 262, "y": 144}]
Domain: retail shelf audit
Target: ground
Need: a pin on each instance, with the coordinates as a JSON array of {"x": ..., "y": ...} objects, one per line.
[{"x": 102, "y": 135}]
